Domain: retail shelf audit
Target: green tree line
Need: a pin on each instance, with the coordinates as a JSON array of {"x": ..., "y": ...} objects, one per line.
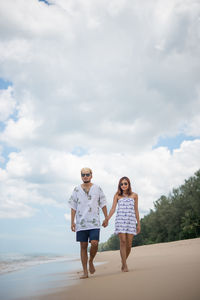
[{"x": 174, "y": 217}]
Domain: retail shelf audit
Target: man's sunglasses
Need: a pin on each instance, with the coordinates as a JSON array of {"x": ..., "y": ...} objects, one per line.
[
  {"x": 123, "y": 183},
  {"x": 87, "y": 174}
]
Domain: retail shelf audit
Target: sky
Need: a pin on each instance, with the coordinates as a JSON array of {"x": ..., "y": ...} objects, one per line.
[{"x": 114, "y": 86}]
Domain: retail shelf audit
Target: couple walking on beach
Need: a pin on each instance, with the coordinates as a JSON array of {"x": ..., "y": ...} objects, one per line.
[{"x": 85, "y": 202}]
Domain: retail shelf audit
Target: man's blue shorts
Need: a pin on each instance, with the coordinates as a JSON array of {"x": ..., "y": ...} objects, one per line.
[{"x": 84, "y": 235}]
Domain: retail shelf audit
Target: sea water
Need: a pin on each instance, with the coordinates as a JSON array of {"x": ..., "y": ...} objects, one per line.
[{"x": 24, "y": 276}]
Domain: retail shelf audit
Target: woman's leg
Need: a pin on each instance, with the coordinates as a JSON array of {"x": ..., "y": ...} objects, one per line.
[
  {"x": 122, "y": 238},
  {"x": 129, "y": 239}
]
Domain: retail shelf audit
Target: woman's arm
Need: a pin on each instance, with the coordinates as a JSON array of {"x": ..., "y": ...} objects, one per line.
[
  {"x": 113, "y": 208},
  {"x": 137, "y": 212}
]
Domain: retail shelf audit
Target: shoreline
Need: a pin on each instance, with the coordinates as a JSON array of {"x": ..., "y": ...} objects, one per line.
[
  {"x": 34, "y": 281},
  {"x": 165, "y": 271}
]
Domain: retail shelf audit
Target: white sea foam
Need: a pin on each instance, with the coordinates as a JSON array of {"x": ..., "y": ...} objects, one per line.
[{"x": 13, "y": 261}]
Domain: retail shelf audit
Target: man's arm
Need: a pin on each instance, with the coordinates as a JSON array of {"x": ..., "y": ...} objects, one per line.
[
  {"x": 73, "y": 225},
  {"x": 102, "y": 204},
  {"x": 105, "y": 222},
  {"x": 104, "y": 209}
]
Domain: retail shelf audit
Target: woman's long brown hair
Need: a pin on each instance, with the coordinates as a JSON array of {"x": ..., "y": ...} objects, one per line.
[{"x": 120, "y": 191}]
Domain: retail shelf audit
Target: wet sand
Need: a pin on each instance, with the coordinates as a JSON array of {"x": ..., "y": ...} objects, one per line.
[{"x": 167, "y": 271}]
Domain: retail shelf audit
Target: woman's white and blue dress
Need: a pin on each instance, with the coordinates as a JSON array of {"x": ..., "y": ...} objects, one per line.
[{"x": 125, "y": 221}]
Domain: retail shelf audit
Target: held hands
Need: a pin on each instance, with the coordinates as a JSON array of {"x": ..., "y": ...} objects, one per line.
[
  {"x": 73, "y": 226},
  {"x": 105, "y": 223}
]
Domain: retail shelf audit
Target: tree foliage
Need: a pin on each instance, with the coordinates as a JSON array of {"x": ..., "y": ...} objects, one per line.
[{"x": 173, "y": 218}]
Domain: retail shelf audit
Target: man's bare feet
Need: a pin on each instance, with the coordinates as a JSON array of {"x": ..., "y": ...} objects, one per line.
[
  {"x": 84, "y": 276},
  {"x": 91, "y": 267}
]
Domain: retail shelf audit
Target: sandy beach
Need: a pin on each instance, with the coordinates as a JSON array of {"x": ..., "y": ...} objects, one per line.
[{"x": 164, "y": 271}]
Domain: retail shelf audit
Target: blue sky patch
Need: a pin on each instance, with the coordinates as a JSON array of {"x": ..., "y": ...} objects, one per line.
[
  {"x": 173, "y": 142},
  {"x": 50, "y": 232},
  {"x": 2, "y": 126},
  {"x": 4, "y": 84},
  {"x": 79, "y": 151},
  {"x": 45, "y": 1},
  {"x": 5, "y": 153}
]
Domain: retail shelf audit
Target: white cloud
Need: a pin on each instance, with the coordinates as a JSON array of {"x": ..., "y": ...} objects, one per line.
[
  {"x": 19, "y": 198},
  {"x": 15, "y": 210},
  {"x": 23, "y": 129},
  {"x": 109, "y": 78},
  {"x": 193, "y": 128},
  {"x": 15, "y": 132},
  {"x": 48, "y": 177},
  {"x": 67, "y": 217},
  {"x": 7, "y": 104},
  {"x": 1, "y": 155}
]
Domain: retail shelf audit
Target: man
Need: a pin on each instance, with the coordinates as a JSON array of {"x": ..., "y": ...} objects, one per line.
[{"x": 85, "y": 202}]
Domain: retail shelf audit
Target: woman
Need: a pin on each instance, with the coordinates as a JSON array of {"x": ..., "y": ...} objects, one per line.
[{"x": 127, "y": 214}]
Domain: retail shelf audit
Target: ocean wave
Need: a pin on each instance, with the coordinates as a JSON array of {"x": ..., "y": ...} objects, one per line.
[{"x": 15, "y": 262}]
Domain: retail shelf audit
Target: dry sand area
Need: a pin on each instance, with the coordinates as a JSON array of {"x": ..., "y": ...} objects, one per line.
[{"x": 167, "y": 271}]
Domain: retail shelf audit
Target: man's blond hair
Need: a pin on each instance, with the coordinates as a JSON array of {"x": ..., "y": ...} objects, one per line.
[{"x": 86, "y": 170}]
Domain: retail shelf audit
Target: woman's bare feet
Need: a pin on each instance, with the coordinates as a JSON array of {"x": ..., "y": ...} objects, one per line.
[
  {"x": 91, "y": 267},
  {"x": 124, "y": 268}
]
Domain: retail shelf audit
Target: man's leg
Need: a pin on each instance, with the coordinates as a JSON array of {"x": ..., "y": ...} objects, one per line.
[
  {"x": 84, "y": 258},
  {"x": 94, "y": 240},
  {"x": 93, "y": 252}
]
